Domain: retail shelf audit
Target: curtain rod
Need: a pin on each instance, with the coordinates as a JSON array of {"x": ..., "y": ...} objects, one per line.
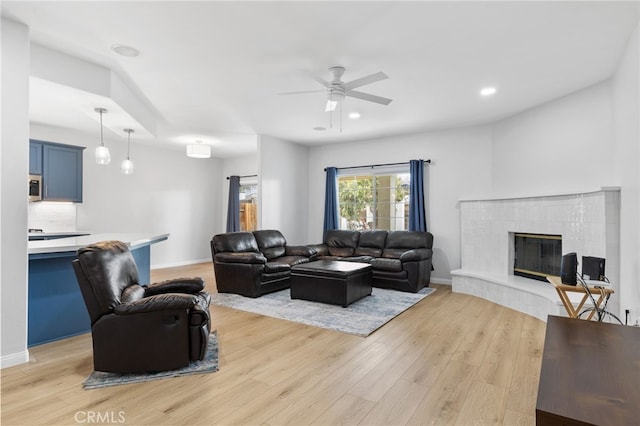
[
  {"x": 376, "y": 165},
  {"x": 243, "y": 176}
]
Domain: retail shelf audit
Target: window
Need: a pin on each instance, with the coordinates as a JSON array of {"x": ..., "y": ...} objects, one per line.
[
  {"x": 374, "y": 201},
  {"x": 248, "y": 207}
]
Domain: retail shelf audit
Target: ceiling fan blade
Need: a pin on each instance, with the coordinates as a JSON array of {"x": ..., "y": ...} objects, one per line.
[
  {"x": 301, "y": 92},
  {"x": 316, "y": 78},
  {"x": 365, "y": 80},
  {"x": 368, "y": 97}
]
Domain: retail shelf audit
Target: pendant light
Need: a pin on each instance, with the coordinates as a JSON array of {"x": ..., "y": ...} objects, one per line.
[
  {"x": 103, "y": 157},
  {"x": 198, "y": 150},
  {"x": 126, "y": 167}
]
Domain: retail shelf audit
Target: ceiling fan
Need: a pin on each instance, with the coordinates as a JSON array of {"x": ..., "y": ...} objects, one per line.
[{"x": 337, "y": 90}]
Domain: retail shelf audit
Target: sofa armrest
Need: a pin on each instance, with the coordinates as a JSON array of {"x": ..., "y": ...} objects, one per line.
[
  {"x": 160, "y": 302},
  {"x": 416, "y": 255},
  {"x": 321, "y": 249},
  {"x": 175, "y": 285},
  {"x": 244, "y": 257},
  {"x": 300, "y": 251}
]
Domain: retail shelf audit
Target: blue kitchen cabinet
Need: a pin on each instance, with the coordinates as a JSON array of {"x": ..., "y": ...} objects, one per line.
[
  {"x": 35, "y": 158},
  {"x": 61, "y": 169},
  {"x": 61, "y": 172}
]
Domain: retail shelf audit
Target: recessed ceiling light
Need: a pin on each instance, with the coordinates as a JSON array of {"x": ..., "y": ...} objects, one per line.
[
  {"x": 354, "y": 115},
  {"x": 488, "y": 91},
  {"x": 320, "y": 128},
  {"x": 123, "y": 50}
]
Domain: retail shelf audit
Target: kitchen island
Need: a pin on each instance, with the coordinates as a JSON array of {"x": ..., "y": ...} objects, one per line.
[{"x": 55, "y": 304}]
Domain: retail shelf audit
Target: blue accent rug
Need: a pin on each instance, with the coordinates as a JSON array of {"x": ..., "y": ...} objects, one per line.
[
  {"x": 360, "y": 318},
  {"x": 100, "y": 379}
]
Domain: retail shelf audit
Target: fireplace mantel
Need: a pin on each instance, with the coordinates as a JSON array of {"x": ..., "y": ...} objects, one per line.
[{"x": 589, "y": 223}]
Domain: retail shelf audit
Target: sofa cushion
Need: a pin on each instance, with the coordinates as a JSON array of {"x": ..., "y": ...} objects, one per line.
[
  {"x": 368, "y": 251},
  {"x": 291, "y": 260},
  {"x": 328, "y": 257},
  {"x": 341, "y": 251},
  {"x": 393, "y": 253},
  {"x": 371, "y": 243},
  {"x": 393, "y": 265},
  {"x": 409, "y": 240},
  {"x": 342, "y": 238},
  {"x": 236, "y": 242},
  {"x": 273, "y": 253},
  {"x": 270, "y": 242},
  {"x": 271, "y": 267},
  {"x": 359, "y": 259},
  {"x": 372, "y": 239}
]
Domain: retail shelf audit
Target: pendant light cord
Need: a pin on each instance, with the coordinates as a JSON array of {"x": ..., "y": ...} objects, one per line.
[
  {"x": 101, "y": 137},
  {"x": 128, "y": 143}
]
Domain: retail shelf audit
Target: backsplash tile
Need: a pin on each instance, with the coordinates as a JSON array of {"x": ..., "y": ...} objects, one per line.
[{"x": 52, "y": 217}]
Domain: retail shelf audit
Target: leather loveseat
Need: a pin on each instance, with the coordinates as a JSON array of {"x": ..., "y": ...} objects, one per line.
[
  {"x": 255, "y": 263},
  {"x": 401, "y": 260}
]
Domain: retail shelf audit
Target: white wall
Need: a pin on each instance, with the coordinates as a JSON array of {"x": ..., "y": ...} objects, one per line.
[
  {"x": 563, "y": 146},
  {"x": 167, "y": 193},
  {"x": 626, "y": 127},
  {"x": 460, "y": 169},
  {"x": 14, "y": 169},
  {"x": 582, "y": 142},
  {"x": 283, "y": 188},
  {"x": 237, "y": 166}
]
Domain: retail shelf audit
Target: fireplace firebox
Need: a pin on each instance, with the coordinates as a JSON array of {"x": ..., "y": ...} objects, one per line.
[{"x": 537, "y": 255}]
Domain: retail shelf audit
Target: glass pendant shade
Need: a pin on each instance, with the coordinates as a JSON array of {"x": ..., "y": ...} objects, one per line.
[
  {"x": 126, "y": 167},
  {"x": 103, "y": 157},
  {"x": 198, "y": 150}
]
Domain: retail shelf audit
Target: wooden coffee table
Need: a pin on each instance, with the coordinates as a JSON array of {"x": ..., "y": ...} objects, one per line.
[{"x": 331, "y": 281}]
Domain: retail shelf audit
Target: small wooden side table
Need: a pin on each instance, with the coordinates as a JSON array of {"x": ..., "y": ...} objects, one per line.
[{"x": 602, "y": 293}]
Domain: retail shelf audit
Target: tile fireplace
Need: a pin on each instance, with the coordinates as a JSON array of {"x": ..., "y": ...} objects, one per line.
[{"x": 586, "y": 223}]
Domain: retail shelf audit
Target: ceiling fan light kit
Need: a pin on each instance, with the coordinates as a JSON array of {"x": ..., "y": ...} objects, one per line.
[{"x": 337, "y": 90}]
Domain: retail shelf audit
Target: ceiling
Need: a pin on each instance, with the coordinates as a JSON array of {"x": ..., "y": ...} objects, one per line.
[{"x": 213, "y": 70}]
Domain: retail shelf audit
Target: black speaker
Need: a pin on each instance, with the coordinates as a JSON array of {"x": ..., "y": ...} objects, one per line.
[
  {"x": 592, "y": 268},
  {"x": 569, "y": 268}
]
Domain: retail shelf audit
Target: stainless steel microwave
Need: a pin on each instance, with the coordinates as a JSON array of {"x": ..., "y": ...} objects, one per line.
[{"x": 35, "y": 188}]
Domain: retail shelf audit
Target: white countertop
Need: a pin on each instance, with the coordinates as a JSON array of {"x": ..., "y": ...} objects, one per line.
[
  {"x": 72, "y": 244},
  {"x": 57, "y": 234}
]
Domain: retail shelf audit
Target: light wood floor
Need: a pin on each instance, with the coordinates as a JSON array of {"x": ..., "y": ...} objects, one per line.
[{"x": 452, "y": 359}]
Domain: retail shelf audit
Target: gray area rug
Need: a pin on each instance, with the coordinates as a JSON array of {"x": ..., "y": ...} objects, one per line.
[
  {"x": 360, "y": 318},
  {"x": 100, "y": 379}
]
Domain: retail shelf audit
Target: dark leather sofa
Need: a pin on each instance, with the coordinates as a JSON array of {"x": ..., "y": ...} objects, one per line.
[
  {"x": 401, "y": 260},
  {"x": 255, "y": 263},
  {"x": 140, "y": 328}
]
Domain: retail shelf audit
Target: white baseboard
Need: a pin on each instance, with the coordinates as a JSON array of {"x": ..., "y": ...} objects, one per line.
[
  {"x": 184, "y": 263},
  {"x": 14, "y": 359},
  {"x": 444, "y": 281}
]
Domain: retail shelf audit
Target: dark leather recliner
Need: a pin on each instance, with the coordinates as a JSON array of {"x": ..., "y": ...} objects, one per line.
[
  {"x": 140, "y": 328},
  {"x": 255, "y": 263}
]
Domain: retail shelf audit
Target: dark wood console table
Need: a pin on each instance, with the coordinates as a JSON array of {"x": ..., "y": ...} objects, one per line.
[{"x": 590, "y": 374}]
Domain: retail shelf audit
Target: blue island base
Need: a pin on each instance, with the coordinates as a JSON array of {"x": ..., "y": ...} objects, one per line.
[{"x": 56, "y": 307}]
